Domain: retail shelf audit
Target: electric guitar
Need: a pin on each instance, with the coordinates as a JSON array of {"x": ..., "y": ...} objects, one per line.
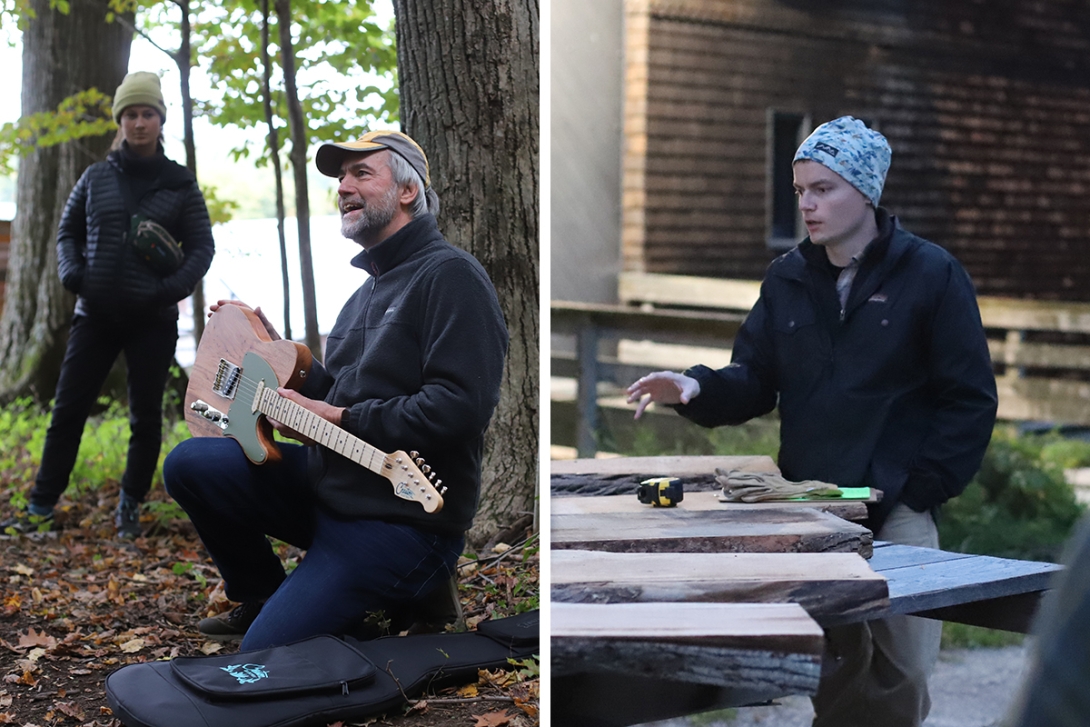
[{"x": 232, "y": 392}]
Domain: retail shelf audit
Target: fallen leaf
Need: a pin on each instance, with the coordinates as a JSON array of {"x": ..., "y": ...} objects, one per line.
[
  {"x": 469, "y": 690},
  {"x": 210, "y": 647},
  {"x": 420, "y": 706},
  {"x": 7, "y": 718},
  {"x": 23, "y": 570},
  {"x": 33, "y": 638},
  {"x": 72, "y": 710},
  {"x": 131, "y": 647},
  {"x": 492, "y": 719}
]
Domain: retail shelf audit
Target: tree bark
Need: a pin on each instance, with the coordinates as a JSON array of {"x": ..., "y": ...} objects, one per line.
[
  {"x": 298, "y": 158},
  {"x": 272, "y": 140},
  {"x": 185, "y": 63},
  {"x": 62, "y": 54},
  {"x": 469, "y": 95}
]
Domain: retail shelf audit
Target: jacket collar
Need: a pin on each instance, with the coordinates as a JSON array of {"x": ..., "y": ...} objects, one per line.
[
  {"x": 398, "y": 247},
  {"x": 882, "y": 253}
]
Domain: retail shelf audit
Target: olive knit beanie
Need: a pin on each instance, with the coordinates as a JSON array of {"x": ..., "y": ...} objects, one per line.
[{"x": 139, "y": 88}]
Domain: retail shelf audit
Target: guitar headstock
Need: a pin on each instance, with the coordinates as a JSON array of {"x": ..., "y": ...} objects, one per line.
[{"x": 413, "y": 480}]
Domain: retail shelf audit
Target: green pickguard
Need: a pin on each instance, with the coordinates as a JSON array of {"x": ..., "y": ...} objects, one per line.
[{"x": 243, "y": 419}]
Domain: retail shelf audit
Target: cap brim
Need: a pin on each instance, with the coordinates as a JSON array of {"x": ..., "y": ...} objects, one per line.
[{"x": 329, "y": 157}]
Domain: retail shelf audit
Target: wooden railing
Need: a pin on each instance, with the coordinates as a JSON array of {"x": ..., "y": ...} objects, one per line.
[{"x": 1041, "y": 349}]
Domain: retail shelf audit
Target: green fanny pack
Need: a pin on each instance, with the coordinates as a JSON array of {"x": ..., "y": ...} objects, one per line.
[{"x": 155, "y": 245}]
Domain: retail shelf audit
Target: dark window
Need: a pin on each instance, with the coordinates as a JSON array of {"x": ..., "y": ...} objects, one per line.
[{"x": 786, "y": 131}]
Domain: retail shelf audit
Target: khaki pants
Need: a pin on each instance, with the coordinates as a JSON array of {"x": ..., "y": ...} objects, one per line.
[{"x": 874, "y": 674}]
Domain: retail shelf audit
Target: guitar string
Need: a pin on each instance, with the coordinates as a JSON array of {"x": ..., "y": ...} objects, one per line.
[{"x": 248, "y": 386}]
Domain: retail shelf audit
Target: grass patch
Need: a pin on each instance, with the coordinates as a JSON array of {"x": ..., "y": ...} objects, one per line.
[{"x": 964, "y": 636}]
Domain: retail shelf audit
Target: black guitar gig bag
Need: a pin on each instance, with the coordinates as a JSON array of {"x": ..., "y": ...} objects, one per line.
[{"x": 315, "y": 681}]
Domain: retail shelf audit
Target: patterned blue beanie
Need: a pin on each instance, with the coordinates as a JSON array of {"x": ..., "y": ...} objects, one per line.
[{"x": 853, "y": 151}]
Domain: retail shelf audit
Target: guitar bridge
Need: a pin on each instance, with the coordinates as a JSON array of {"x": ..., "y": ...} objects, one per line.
[{"x": 227, "y": 377}]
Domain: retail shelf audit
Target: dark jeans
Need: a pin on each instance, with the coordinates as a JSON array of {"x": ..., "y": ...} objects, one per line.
[
  {"x": 93, "y": 346},
  {"x": 352, "y": 568}
]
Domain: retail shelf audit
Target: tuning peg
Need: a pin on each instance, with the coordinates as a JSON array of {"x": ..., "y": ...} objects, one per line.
[
  {"x": 438, "y": 482},
  {"x": 431, "y": 476},
  {"x": 414, "y": 454},
  {"x": 443, "y": 491},
  {"x": 425, "y": 469}
]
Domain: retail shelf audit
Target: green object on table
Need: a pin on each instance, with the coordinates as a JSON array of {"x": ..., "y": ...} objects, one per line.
[{"x": 841, "y": 493}]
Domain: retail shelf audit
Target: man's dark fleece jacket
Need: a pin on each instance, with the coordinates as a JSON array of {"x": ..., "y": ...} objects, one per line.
[
  {"x": 417, "y": 356},
  {"x": 895, "y": 391}
]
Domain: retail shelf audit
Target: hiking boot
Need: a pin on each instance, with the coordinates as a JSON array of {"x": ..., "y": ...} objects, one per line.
[
  {"x": 231, "y": 626},
  {"x": 28, "y": 521},
  {"x": 127, "y": 519}
]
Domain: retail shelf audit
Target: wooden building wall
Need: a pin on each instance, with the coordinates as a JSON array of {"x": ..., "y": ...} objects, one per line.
[{"x": 986, "y": 105}]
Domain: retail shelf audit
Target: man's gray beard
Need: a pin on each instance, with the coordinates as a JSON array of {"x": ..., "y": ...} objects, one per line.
[{"x": 371, "y": 218}]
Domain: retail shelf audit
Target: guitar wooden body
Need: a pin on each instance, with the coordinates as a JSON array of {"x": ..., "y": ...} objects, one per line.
[
  {"x": 232, "y": 333},
  {"x": 232, "y": 392}
]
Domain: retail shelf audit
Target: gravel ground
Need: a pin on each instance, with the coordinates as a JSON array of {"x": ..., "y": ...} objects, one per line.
[{"x": 970, "y": 688}]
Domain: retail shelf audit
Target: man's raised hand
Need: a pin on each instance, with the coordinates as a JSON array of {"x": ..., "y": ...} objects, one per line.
[{"x": 662, "y": 387}]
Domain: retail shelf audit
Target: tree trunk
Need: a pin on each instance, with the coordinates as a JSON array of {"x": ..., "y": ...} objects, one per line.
[
  {"x": 62, "y": 54},
  {"x": 273, "y": 142},
  {"x": 298, "y": 158},
  {"x": 185, "y": 64},
  {"x": 469, "y": 95}
]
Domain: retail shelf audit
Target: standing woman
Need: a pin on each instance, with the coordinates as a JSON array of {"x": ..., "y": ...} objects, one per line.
[{"x": 127, "y": 295}]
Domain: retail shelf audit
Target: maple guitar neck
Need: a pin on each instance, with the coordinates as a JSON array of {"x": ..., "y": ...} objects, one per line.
[
  {"x": 322, "y": 431},
  {"x": 410, "y": 481}
]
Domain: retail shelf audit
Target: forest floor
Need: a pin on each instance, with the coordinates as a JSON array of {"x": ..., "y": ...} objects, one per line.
[{"x": 76, "y": 604}]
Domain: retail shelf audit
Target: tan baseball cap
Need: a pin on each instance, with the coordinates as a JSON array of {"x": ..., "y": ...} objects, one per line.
[{"x": 330, "y": 156}]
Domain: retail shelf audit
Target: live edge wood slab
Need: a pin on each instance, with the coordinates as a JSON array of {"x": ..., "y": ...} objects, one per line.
[
  {"x": 829, "y": 586},
  {"x": 674, "y": 530},
  {"x": 707, "y": 500},
  {"x": 626, "y": 663}
]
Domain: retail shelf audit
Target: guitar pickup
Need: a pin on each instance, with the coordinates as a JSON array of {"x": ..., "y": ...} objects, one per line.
[{"x": 227, "y": 377}]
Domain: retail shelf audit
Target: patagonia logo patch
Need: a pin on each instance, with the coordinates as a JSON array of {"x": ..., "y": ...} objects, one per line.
[
  {"x": 247, "y": 673},
  {"x": 877, "y": 298},
  {"x": 830, "y": 150}
]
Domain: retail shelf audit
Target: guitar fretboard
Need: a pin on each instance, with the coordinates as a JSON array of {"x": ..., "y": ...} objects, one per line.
[{"x": 324, "y": 432}]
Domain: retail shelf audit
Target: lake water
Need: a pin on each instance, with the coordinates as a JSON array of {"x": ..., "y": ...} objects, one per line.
[{"x": 247, "y": 268}]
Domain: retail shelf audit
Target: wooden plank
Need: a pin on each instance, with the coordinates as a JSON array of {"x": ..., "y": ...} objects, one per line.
[
  {"x": 687, "y": 290},
  {"x": 923, "y": 580},
  {"x": 629, "y": 651},
  {"x": 1034, "y": 315},
  {"x": 664, "y": 466},
  {"x": 783, "y": 627},
  {"x": 996, "y": 312},
  {"x": 685, "y": 326},
  {"x": 673, "y": 530},
  {"x": 697, "y": 501},
  {"x": 1040, "y": 355},
  {"x": 832, "y": 587},
  {"x": 1047, "y": 400}
]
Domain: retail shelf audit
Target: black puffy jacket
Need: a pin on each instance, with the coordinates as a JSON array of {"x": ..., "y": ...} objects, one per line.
[
  {"x": 897, "y": 392},
  {"x": 94, "y": 258}
]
